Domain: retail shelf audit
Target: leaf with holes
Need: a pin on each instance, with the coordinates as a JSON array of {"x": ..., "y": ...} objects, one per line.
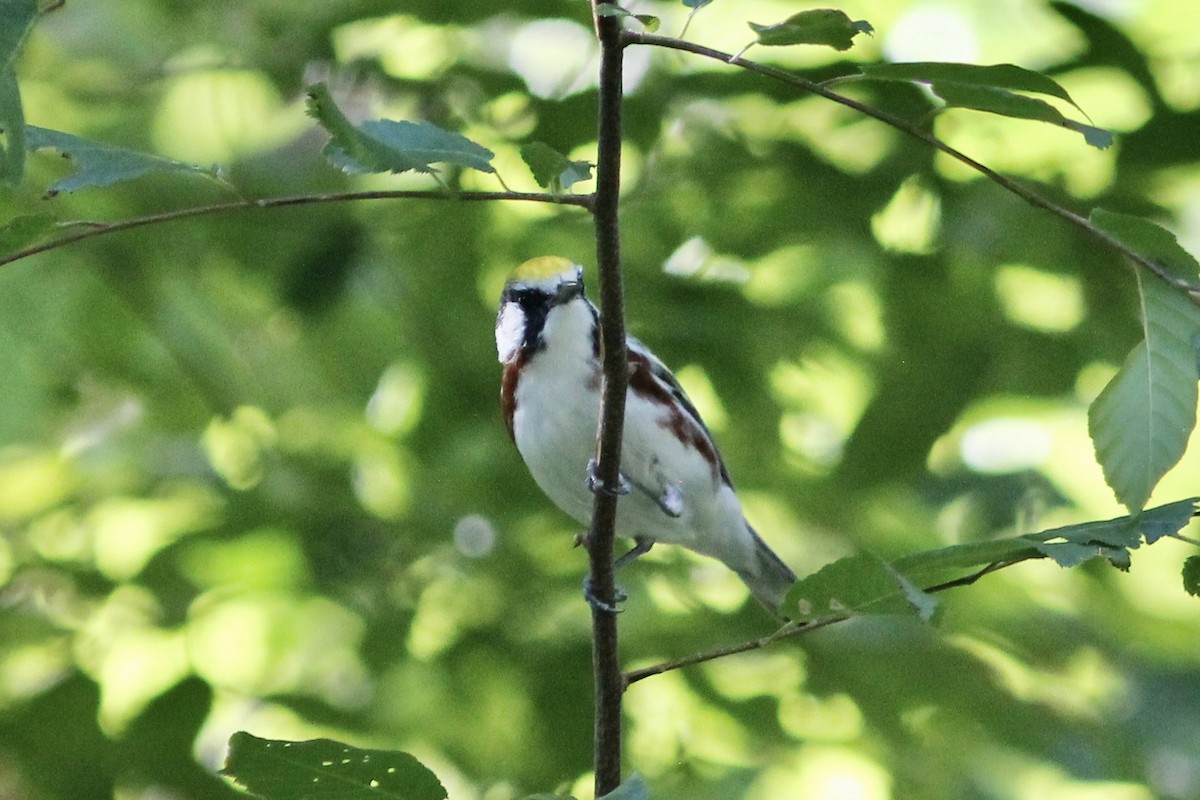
[
  {"x": 322, "y": 769},
  {"x": 97, "y": 164},
  {"x": 858, "y": 585},
  {"x": 385, "y": 145},
  {"x": 1141, "y": 421},
  {"x": 821, "y": 26}
]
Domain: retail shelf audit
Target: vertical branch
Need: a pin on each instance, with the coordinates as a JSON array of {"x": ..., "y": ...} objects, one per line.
[{"x": 609, "y": 682}]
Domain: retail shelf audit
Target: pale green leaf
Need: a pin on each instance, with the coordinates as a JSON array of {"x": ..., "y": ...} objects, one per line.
[
  {"x": 858, "y": 585},
  {"x": 1141, "y": 421},
  {"x": 322, "y": 769},
  {"x": 384, "y": 145},
  {"x": 98, "y": 164},
  {"x": 820, "y": 26}
]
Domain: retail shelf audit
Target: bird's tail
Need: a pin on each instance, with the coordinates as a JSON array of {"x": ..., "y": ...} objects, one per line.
[{"x": 767, "y": 576}]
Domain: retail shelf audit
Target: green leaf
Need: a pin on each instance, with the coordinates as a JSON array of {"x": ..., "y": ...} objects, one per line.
[
  {"x": 20, "y": 232},
  {"x": 1005, "y": 103},
  {"x": 1191, "y": 575},
  {"x": 12, "y": 121},
  {"x": 634, "y": 788},
  {"x": 16, "y": 20},
  {"x": 696, "y": 4},
  {"x": 858, "y": 585},
  {"x": 551, "y": 169},
  {"x": 993, "y": 76},
  {"x": 610, "y": 10},
  {"x": 385, "y": 145},
  {"x": 98, "y": 164},
  {"x": 322, "y": 769},
  {"x": 991, "y": 88},
  {"x": 823, "y": 26},
  {"x": 1141, "y": 421}
]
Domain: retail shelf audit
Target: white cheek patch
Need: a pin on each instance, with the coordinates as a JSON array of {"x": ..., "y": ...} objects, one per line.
[{"x": 510, "y": 331}]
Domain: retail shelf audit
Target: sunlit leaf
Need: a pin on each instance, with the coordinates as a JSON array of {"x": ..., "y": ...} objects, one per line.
[
  {"x": 820, "y": 26},
  {"x": 1141, "y": 421},
  {"x": 97, "y": 164},
  {"x": 385, "y": 145},
  {"x": 857, "y": 585},
  {"x": 551, "y": 169},
  {"x": 322, "y": 769},
  {"x": 992, "y": 88}
]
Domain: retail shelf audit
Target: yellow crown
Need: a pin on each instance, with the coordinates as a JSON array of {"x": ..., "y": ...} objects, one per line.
[{"x": 543, "y": 268}]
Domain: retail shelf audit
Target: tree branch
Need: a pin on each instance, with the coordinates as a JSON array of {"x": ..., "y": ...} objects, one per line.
[
  {"x": 609, "y": 683},
  {"x": 93, "y": 229},
  {"x": 796, "y": 628},
  {"x": 912, "y": 129}
]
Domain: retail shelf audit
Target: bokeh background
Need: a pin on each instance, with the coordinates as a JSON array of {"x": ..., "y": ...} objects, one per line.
[{"x": 253, "y": 474}]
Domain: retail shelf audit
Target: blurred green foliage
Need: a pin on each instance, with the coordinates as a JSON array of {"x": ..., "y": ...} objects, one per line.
[{"x": 253, "y": 475}]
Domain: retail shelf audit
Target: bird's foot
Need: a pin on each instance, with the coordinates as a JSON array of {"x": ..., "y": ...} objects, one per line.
[
  {"x": 619, "y": 596},
  {"x": 596, "y": 486}
]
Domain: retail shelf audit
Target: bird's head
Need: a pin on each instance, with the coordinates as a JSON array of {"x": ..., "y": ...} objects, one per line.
[{"x": 532, "y": 294}]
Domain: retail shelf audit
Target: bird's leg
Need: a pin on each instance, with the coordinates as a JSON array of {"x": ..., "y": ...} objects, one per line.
[{"x": 641, "y": 546}]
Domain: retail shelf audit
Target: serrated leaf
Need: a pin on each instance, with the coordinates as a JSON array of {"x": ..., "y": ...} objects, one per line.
[
  {"x": 1141, "y": 421},
  {"x": 322, "y": 769},
  {"x": 551, "y": 169},
  {"x": 1191, "y": 575},
  {"x": 1112, "y": 539},
  {"x": 633, "y": 788},
  {"x": 858, "y": 585},
  {"x": 385, "y": 145},
  {"x": 22, "y": 231},
  {"x": 820, "y": 26},
  {"x": 98, "y": 164}
]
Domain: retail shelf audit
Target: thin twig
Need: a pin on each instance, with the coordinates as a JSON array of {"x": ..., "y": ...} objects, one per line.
[
  {"x": 1028, "y": 195},
  {"x": 796, "y": 628},
  {"x": 606, "y": 666},
  {"x": 92, "y": 229}
]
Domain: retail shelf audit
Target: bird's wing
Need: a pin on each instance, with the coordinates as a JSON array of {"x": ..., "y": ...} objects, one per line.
[{"x": 650, "y": 379}]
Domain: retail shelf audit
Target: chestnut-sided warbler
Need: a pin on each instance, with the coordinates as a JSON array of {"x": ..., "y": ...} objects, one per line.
[{"x": 548, "y": 339}]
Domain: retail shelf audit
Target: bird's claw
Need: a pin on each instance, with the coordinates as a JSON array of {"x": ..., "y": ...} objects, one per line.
[
  {"x": 597, "y": 486},
  {"x": 619, "y": 596}
]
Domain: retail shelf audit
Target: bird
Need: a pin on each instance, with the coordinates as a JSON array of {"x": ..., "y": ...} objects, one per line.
[{"x": 679, "y": 490}]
